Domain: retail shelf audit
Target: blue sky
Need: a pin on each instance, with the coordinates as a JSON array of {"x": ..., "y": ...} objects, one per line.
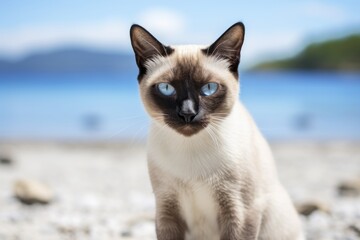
[{"x": 273, "y": 28}]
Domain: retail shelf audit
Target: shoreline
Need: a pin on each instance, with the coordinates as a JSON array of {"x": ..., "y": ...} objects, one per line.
[{"x": 102, "y": 189}]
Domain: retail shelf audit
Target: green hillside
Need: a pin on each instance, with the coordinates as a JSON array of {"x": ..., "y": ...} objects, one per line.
[{"x": 337, "y": 55}]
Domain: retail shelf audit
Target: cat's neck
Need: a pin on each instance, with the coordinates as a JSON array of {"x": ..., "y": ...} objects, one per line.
[{"x": 206, "y": 151}]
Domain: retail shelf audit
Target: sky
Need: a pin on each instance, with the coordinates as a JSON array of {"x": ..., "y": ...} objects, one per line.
[{"x": 273, "y": 28}]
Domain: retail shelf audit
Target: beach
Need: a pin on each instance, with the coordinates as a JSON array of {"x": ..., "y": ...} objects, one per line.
[{"x": 101, "y": 190}]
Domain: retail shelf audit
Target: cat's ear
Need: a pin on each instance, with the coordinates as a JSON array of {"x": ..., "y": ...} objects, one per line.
[
  {"x": 146, "y": 47},
  {"x": 228, "y": 46}
]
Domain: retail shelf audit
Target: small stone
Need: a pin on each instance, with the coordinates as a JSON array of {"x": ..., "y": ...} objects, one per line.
[
  {"x": 31, "y": 192},
  {"x": 6, "y": 160},
  {"x": 308, "y": 208},
  {"x": 349, "y": 188},
  {"x": 355, "y": 229},
  {"x": 126, "y": 233},
  {"x": 67, "y": 230}
]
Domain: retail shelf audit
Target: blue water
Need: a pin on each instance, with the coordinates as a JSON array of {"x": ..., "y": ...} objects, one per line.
[{"x": 106, "y": 106}]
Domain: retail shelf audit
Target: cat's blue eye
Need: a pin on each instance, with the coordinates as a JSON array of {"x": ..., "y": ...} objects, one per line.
[
  {"x": 209, "y": 89},
  {"x": 166, "y": 89}
]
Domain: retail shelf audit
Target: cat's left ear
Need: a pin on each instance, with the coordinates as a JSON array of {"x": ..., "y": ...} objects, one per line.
[{"x": 228, "y": 46}]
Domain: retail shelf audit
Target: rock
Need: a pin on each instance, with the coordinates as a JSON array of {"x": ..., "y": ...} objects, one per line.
[
  {"x": 308, "y": 208},
  {"x": 6, "y": 160},
  {"x": 126, "y": 233},
  {"x": 31, "y": 192},
  {"x": 349, "y": 188},
  {"x": 355, "y": 229}
]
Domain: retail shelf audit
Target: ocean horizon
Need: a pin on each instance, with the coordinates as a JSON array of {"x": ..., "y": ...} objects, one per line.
[{"x": 107, "y": 106}]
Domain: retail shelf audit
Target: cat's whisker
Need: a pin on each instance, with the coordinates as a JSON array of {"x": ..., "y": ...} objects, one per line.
[
  {"x": 217, "y": 127},
  {"x": 216, "y": 131},
  {"x": 217, "y": 120},
  {"x": 217, "y": 117},
  {"x": 160, "y": 115},
  {"x": 220, "y": 113},
  {"x": 212, "y": 138},
  {"x": 208, "y": 129},
  {"x": 127, "y": 127},
  {"x": 128, "y": 123},
  {"x": 159, "y": 118},
  {"x": 160, "y": 131},
  {"x": 122, "y": 118},
  {"x": 217, "y": 124},
  {"x": 137, "y": 136}
]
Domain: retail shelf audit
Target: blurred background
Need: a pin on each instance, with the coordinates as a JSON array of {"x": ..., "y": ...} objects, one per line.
[
  {"x": 69, "y": 106},
  {"x": 68, "y": 72}
]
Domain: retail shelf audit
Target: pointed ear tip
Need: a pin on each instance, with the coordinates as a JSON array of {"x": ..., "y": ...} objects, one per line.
[
  {"x": 134, "y": 27},
  {"x": 240, "y": 24}
]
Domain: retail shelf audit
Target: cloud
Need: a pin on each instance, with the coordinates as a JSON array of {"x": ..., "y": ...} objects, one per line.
[
  {"x": 324, "y": 11},
  {"x": 259, "y": 46},
  {"x": 164, "y": 23},
  {"x": 109, "y": 34}
]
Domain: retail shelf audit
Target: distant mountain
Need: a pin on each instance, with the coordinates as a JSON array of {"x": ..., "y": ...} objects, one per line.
[
  {"x": 336, "y": 55},
  {"x": 70, "y": 60}
]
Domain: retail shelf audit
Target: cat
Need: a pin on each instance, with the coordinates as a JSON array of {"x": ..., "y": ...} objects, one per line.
[{"x": 212, "y": 172}]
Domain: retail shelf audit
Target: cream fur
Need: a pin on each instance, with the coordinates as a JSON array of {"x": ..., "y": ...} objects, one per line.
[{"x": 191, "y": 164}]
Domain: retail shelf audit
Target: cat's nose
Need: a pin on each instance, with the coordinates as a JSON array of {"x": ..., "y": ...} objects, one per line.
[{"x": 187, "y": 111}]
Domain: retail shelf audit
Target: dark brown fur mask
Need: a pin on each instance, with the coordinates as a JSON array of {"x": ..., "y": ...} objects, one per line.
[{"x": 188, "y": 87}]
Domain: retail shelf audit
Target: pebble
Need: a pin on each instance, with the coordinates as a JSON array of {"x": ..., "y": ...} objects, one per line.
[
  {"x": 355, "y": 229},
  {"x": 307, "y": 208},
  {"x": 6, "y": 160},
  {"x": 94, "y": 202},
  {"x": 31, "y": 192},
  {"x": 349, "y": 188}
]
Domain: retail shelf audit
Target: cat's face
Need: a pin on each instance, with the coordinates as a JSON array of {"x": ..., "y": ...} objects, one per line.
[{"x": 188, "y": 87}]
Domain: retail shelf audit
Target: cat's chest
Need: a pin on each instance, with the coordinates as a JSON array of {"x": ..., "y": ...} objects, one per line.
[
  {"x": 200, "y": 212},
  {"x": 200, "y": 157},
  {"x": 186, "y": 166}
]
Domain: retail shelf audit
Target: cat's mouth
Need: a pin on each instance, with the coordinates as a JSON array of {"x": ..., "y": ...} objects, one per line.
[
  {"x": 187, "y": 129},
  {"x": 191, "y": 129}
]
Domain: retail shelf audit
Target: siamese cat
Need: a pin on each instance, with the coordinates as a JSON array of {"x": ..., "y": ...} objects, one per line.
[{"x": 211, "y": 170}]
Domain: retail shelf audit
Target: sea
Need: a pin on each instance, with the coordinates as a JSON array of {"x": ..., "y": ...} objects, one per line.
[{"x": 106, "y": 106}]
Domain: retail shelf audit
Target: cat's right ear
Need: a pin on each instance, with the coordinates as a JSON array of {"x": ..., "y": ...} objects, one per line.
[{"x": 146, "y": 47}]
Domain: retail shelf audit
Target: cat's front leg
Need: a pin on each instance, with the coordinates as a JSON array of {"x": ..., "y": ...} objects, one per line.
[
  {"x": 238, "y": 217},
  {"x": 169, "y": 224},
  {"x": 233, "y": 229}
]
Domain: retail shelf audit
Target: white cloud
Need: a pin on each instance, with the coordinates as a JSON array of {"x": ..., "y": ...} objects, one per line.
[
  {"x": 163, "y": 23},
  {"x": 168, "y": 26},
  {"x": 110, "y": 34},
  {"x": 269, "y": 45},
  {"x": 324, "y": 11},
  {"x": 172, "y": 27}
]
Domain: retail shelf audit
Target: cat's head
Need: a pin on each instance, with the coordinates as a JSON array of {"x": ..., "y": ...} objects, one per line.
[{"x": 188, "y": 87}]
